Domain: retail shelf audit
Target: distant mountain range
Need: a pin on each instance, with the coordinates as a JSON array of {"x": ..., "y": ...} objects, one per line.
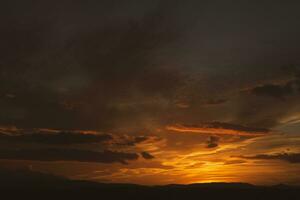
[{"x": 35, "y": 185}]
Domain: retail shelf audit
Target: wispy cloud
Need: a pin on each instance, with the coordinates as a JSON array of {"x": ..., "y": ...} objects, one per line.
[{"x": 218, "y": 128}]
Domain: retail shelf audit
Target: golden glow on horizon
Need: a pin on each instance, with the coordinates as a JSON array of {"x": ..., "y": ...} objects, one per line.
[
  {"x": 222, "y": 164},
  {"x": 185, "y": 159}
]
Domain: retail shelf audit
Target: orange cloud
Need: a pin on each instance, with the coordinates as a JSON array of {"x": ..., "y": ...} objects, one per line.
[{"x": 217, "y": 128}]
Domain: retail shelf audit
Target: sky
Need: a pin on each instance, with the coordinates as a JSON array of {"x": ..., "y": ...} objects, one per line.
[{"x": 151, "y": 92}]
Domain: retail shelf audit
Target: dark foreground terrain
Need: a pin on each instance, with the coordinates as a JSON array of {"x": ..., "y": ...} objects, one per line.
[{"x": 34, "y": 185}]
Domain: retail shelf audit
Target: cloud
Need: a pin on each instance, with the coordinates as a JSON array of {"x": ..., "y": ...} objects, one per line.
[
  {"x": 280, "y": 90},
  {"x": 13, "y": 135},
  {"x": 214, "y": 102},
  {"x": 8, "y": 130},
  {"x": 147, "y": 155},
  {"x": 289, "y": 157},
  {"x": 69, "y": 69},
  {"x": 274, "y": 90},
  {"x": 132, "y": 141},
  {"x": 219, "y": 128},
  {"x": 212, "y": 142},
  {"x": 59, "y": 138},
  {"x": 68, "y": 155},
  {"x": 266, "y": 102},
  {"x": 234, "y": 162}
]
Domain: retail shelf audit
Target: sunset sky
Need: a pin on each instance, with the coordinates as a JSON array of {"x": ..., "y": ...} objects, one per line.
[{"x": 152, "y": 91}]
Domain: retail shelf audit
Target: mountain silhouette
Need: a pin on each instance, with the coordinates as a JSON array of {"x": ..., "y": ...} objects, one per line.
[{"x": 28, "y": 184}]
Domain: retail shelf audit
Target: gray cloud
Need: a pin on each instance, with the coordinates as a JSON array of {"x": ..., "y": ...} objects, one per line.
[
  {"x": 147, "y": 155},
  {"x": 213, "y": 142},
  {"x": 264, "y": 105},
  {"x": 213, "y": 102},
  {"x": 60, "y": 138},
  {"x": 132, "y": 141},
  {"x": 100, "y": 66},
  {"x": 97, "y": 57},
  {"x": 273, "y": 90},
  {"x": 81, "y": 63},
  {"x": 68, "y": 155},
  {"x": 289, "y": 157}
]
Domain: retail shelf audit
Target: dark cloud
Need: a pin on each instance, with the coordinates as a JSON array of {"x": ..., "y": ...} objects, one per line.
[
  {"x": 213, "y": 102},
  {"x": 147, "y": 155},
  {"x": 213, "y": 142},
  {"x": 274, "y": 90},
  {"x": 262, "y": 112},
  {"x": 234, "y": 162},
  {"x": 132, "y": 141},
  {"x": 133, "y": 68},
  {"x": 13, "y": 135},
  {"x": 212, "y": 145},
  {"x": 68, "y": 155},
  {"x": 265, "y": 105},
  {"x": 73, "y": 69},
  {"x": 283, "y": 89},
  {"x": 289, "y": 157},
  {"x": 97, "y": 65},
  {"x": 60, "y": 138}
]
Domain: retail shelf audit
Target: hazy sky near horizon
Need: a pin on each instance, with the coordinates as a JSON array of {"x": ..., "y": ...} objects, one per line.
[{"x": 152, "y": 92}]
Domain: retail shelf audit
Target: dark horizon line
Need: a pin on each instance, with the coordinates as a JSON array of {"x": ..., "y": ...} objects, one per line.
[{"x": 31, "y": 176}]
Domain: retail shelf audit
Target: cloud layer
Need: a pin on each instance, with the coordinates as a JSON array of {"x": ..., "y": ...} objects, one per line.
[
  {"x": 288, "y": 157},
  {"x": 218, "y": 128},
  {"x": 68, "y": 155},
  {"x": 188, "y": 83},
  {"x": 60, "y": 138}
]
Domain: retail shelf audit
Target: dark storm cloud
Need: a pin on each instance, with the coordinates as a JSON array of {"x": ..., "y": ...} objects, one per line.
[
  {"x": 68, "y": 155},
  {"x": 60, "y": 138},
  {"x": 147, "y": 155},
  {"x": 140, "y": 67},
  {"x": 289, "y": 157},
  {"x": 110, "y": 64},
  {"x": 98, "y": 64},
  {"x": 74, "y": 67},
  {"x": 213, "y": 142}
]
